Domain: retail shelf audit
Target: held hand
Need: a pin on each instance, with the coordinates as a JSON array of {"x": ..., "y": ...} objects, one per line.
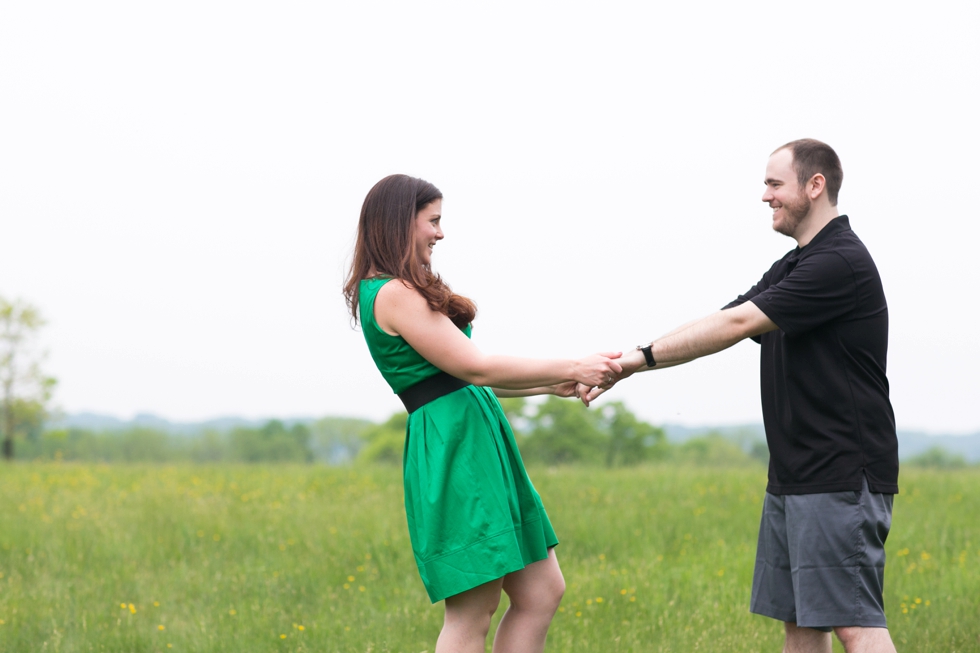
[
  {"x": 630, "y": 363},
  {"x": 599, "y": 369},
  {"x": 566, "y": 389},
  {"x": 591, "y": 394},
  {"x": 582, "y": 391}
]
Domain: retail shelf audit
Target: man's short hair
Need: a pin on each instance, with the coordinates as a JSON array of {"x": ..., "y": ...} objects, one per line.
[{"x": 810, "y": 157}]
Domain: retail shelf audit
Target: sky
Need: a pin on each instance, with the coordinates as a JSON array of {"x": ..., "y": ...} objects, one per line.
[{"x": 180, "y": 184}]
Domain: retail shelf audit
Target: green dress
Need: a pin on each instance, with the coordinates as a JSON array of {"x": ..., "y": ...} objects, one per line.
[{"x": 473, "y": 514}]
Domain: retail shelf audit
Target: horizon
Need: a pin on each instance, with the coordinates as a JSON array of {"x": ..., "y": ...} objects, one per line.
[{"x": 302, "y": 418}]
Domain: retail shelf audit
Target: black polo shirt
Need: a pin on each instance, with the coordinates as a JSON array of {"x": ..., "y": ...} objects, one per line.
[{"x": 825, "y": 403}]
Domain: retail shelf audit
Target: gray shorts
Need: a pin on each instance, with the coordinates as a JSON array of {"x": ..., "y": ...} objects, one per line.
[{"x": 821, "y": 559}]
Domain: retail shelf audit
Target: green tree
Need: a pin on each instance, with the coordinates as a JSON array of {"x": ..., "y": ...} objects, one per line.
[
  {"x": 938, "y": 458},
  {"x": 631, "y": 441},
  {"x": 338, "y": 440},
  {"x": 514, "y": 408},
  {"x": 712, "y": 449},
  {"x": 385, "y": 443},
  {"x": 271, "y": 443},
  {"x": 24, "y": 389},
  {"x": 564, "y": 431}
]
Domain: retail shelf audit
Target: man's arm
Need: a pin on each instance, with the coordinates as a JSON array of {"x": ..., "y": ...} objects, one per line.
[{"x": 703, "y": 337}]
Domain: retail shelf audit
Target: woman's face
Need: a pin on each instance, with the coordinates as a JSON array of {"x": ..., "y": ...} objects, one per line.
[{"x": 427, "y": 230}]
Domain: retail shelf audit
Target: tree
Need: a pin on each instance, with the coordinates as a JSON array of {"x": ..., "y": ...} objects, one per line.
[
  {"x": 24, "y": 389},
  {"x": 564, "y": 431},
  {"x": 938, "y": 458},
  {"x": 273, "y": 442},
  {"x": 337, "y": 440},
  {"x": 631, "y": 441},
  {"x": 385, "y": 443}
]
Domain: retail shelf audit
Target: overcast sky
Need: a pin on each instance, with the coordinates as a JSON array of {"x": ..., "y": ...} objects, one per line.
[{"x": 180, "y": 183}]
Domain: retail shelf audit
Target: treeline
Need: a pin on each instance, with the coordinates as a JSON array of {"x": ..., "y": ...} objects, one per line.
[
  {"x": 332, "y": 440},
  {"x": 554, "y": 432},
  {"x": 559, "y": 431}
]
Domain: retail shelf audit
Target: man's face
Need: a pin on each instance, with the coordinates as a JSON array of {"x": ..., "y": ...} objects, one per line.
[{"x": 790, "y": 205}]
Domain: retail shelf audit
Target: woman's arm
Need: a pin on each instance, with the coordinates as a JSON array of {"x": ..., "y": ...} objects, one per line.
[
  {"x": 400, "y": 310},
  {"x": 567, "y": 389}
]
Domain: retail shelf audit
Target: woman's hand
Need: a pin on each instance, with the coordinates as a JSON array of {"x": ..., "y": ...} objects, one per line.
[
  {"x": 567, "y": 389},
  {"x": 600, "y": 370}
]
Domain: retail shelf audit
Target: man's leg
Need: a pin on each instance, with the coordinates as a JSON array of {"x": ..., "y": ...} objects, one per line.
[
  {"x": 865, "y": 640},
  {"x": 806, "y": 640},
  {"x": 837, "y": 545}
]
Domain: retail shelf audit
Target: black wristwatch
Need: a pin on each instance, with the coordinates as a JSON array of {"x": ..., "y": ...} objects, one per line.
[{"x": 647, "y": 353}]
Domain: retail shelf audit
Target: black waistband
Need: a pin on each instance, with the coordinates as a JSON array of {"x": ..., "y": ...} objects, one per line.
[{"x": 430, "y": 389}]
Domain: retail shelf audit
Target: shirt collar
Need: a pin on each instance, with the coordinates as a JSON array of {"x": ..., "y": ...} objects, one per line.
[{"x": 831, "y": 229}]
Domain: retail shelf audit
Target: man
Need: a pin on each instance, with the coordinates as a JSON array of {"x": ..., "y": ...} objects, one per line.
[{"x": 821, "y": 318}]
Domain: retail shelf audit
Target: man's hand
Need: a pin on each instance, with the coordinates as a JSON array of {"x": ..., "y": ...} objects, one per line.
[{"x": 631, "y": 362}]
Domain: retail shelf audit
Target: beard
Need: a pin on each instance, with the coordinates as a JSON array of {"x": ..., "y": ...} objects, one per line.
[{"x": 795, "y": 212}]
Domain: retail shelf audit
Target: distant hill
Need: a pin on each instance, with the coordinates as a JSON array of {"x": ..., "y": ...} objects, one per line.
[
  {"x": 99, "y": 422},
  {"x": 910, "y": 443}
]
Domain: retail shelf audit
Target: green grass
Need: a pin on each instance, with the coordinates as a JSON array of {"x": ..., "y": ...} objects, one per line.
[{"x": 233, "y": 558}]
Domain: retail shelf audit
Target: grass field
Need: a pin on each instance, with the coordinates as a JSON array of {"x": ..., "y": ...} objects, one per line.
[{"x": 308, "y": 558}]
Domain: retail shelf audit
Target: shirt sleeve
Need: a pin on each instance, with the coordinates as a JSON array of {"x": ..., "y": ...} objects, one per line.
[
  {"x": 819, "y": 289},
  {"x": 754, "y": 290},
  {"x": 741, "y": 299}
]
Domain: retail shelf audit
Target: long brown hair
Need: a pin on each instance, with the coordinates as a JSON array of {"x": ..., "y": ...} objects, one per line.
[{"x": 386, "y": 243}]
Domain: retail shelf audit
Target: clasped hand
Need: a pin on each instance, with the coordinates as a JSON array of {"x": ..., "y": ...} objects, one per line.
[{"x": 600, "y": 372}]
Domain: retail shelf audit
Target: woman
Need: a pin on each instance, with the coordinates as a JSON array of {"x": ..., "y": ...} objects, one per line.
[{"x": 476, "y": 523}]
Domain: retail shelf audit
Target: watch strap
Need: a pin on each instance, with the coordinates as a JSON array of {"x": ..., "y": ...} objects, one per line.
[{"x": 647, "y": 354}]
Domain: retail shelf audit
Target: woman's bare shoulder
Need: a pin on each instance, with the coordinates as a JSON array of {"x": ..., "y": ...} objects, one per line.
[{"x": 400, "y": 293}]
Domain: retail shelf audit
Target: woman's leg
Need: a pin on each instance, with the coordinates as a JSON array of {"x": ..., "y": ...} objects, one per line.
[
  {"x": 468, "y": 619},
  {"x": 535, "y": 593}
]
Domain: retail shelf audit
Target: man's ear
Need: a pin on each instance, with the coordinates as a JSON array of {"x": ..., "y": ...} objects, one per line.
[{"x": 816, "y": 185}]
